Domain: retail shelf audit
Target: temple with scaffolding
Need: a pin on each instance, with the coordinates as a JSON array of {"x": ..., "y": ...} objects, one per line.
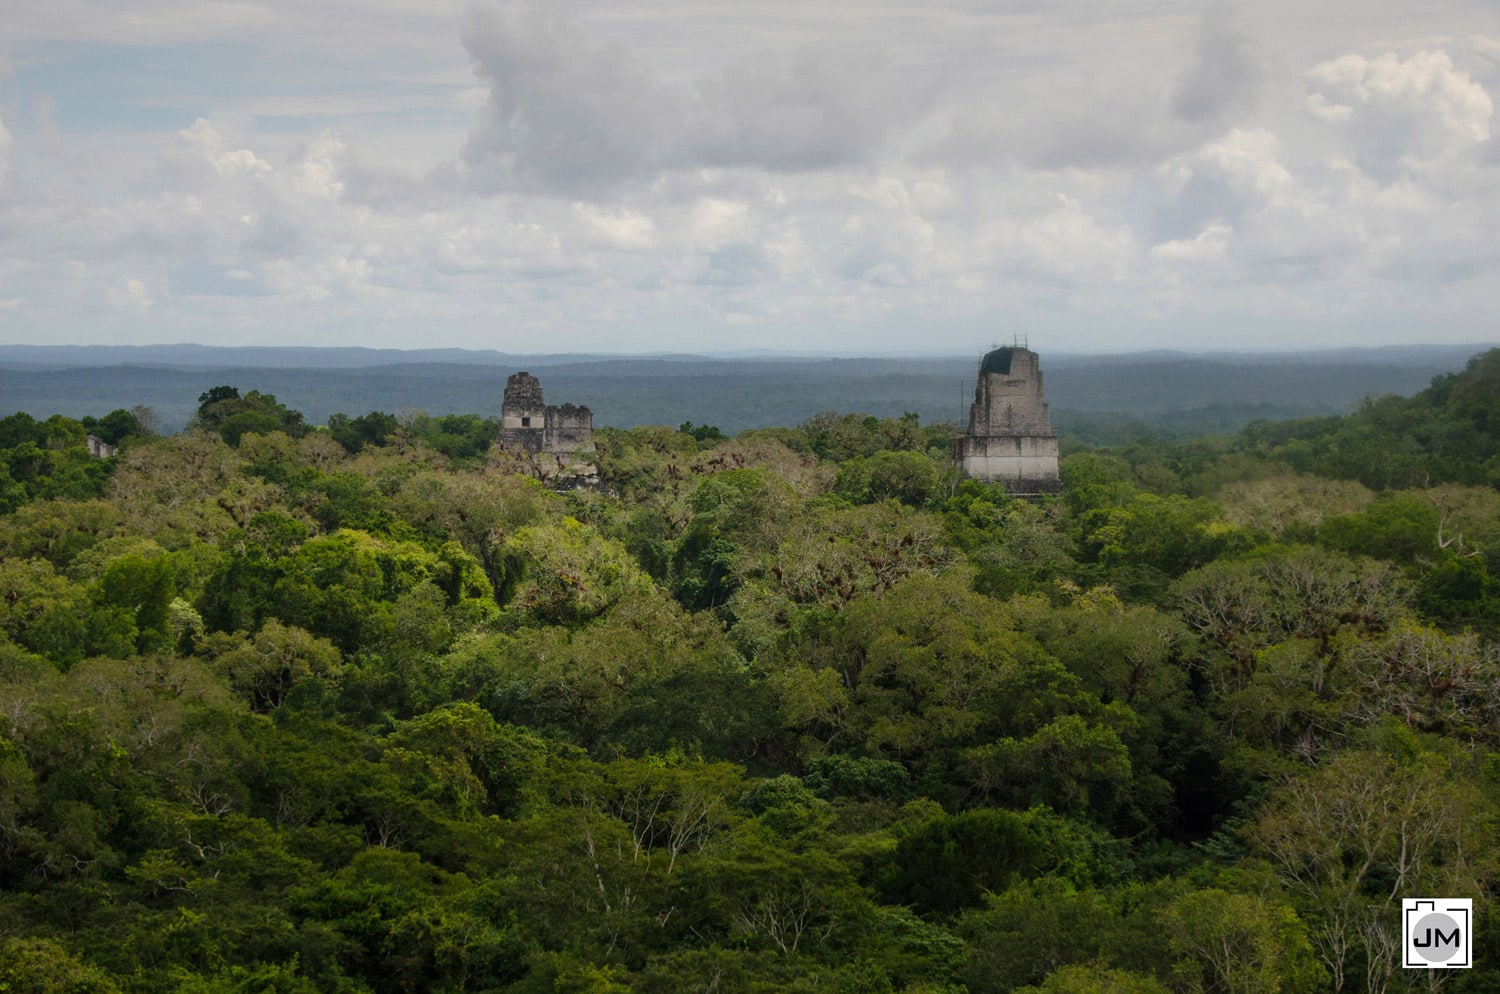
[{"x": 1010, "y": 438}]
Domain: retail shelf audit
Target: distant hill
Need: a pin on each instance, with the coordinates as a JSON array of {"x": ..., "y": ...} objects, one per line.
[
  {"x": 1447, "y": 433},
  {"x": 1174, "y": 392}
]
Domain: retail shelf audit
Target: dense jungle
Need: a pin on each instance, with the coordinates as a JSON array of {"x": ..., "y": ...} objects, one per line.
[{"x": 359, "y": 707}]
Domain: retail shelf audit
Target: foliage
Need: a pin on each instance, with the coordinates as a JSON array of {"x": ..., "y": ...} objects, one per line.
[
  {"x": 231, "y": 416},
  {"x": 350, "y": 709}
]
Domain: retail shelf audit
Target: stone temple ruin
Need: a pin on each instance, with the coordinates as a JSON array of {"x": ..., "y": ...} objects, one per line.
[
  {"x": 1010, "y": 438},
  {"x": 554, "y": 444}
]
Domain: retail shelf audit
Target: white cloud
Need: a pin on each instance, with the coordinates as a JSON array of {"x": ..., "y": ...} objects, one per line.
[
  {"x": 1217, "y": 185},
  {"x": 1069, "y": 243},
  {"x": 318, "y": 169},
  {"x": 617, "y": 228},
  {"x": 1208, "y": 245},
  {"x": 205, "y": 139},
  {"x": 1248, "y": 161},
  {"x": 660, "y": 174},
  {"x": 1401, "y": 113},
  {"x": 1487, "y": 46},
  {"x": 1427, "y": 82},
  {"x": 1319, "y": 106},
  {"x": 717, "y": 221},
  {"x": 131, "y": 295}
]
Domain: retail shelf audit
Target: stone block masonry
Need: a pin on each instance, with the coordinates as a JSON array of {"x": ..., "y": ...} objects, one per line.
[
  {"x": 553, "y": 443},
  {"x": 1010, "y": 438}
]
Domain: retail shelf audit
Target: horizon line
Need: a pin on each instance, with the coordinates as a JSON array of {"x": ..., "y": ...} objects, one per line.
[{"x": 743, "y": 353}]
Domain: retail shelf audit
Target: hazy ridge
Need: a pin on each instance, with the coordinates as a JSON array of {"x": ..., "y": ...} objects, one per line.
[{"x": 1156, "y": 388}]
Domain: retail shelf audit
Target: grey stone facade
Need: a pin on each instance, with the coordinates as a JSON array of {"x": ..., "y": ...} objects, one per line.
[
  {"x": 1010, "y": 438},
  {"x": 555, "y": 443},
  {"x": 99, "y": 448}
]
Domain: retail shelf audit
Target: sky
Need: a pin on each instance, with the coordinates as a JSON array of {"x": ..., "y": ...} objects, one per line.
[{"x": 847, "y": 176}]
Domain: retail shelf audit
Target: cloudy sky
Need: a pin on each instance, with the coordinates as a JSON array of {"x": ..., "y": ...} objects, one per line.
[{"x": 850, "y": 176}]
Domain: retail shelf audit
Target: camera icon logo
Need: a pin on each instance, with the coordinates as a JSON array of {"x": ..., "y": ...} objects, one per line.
[{"x": 1436, "y": 931}]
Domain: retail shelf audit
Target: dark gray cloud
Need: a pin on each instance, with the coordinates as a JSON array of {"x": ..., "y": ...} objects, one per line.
[
  {"x": 1130, "y": 108},
  {"x": 1224, "y": 78},
  {"x": 1113, "y": 133},
  {"x": 564, "y": 112},
  {"x": 573, "y": 116},
  {"x": 810, "y": 110},
  {"x": 1095, "y": 124}
]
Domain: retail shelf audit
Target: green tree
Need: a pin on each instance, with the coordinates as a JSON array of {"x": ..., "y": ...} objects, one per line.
[
  {"x": 568, "y": 573},
  {"x": 354, "y": 434},
  {"x": 1390, "y": 527},
  {"x": 265, "y": 669},
  {"x": 145, "y": 588},
  {"x": 43, "y": 966},
  {"x": 912, "y": 478},
  {"x": 702, "y": 433},
  {"x": 1239, "y": 944},
  {"x": 232, "y": 416},
  {"x": 1350, "y": 838},
  {"x": 119, "y": 425},
  {"x": 1093, "y": 978},
  {"x": 1241, "y": 606},
  {"x": 950, "y": 862}
]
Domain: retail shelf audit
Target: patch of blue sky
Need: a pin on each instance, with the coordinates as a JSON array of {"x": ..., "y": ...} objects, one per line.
[
  {"x": 288, "y": 124},
  {"x": 425, "y": 106},
  {"x": 97, "y": 87},
  {"x": 204, "y": 279},
  {"x": 129, "y": 87}
]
